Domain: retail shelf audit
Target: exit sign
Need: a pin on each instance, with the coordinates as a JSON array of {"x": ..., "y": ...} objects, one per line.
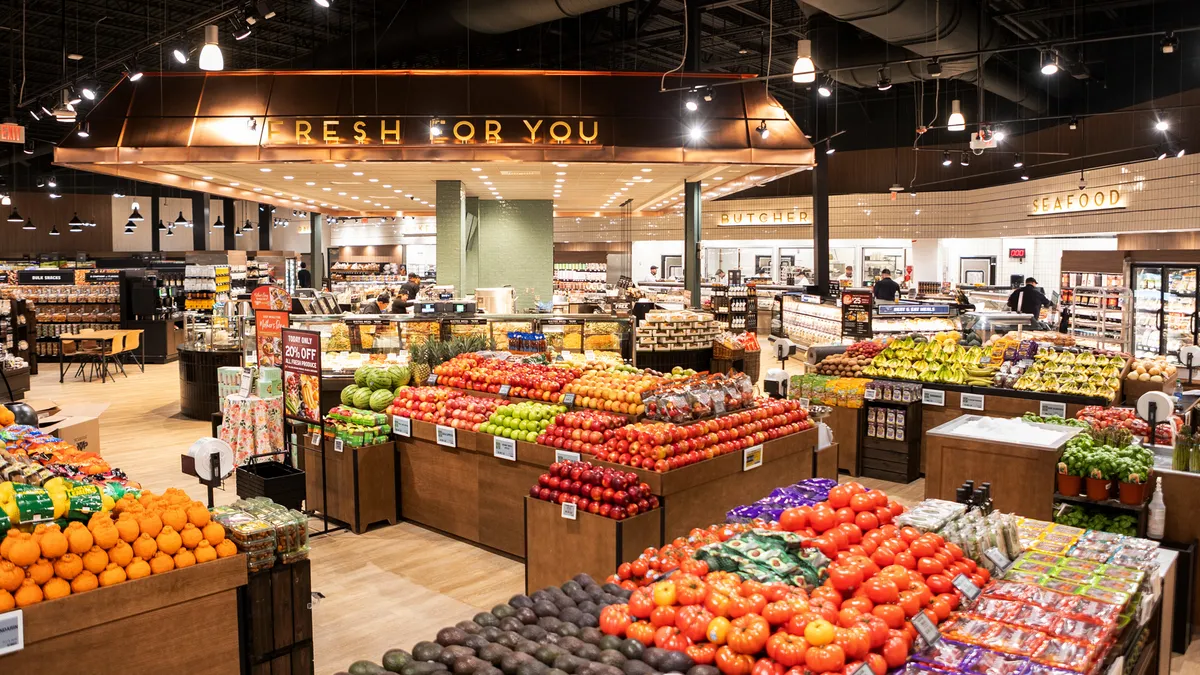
[
  {"x": 12, "y": 133},
  {"x": 1016, "y": 253}
]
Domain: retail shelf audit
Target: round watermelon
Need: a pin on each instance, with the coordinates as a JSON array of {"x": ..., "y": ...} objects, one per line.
[
  {"x": 361, "y": 375},
  {"x": 348, "y": 394},
  {"x": 362, "y": 398},
  {"x": 381, "y": 399},
  {"x": 400, "y": 376},
  {"x": 379, "y": 379}
]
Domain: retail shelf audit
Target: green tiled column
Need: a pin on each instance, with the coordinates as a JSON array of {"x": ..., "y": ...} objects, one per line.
[
  {"x": 451, "y": 235},
  {"x": 516, "y": 248}
]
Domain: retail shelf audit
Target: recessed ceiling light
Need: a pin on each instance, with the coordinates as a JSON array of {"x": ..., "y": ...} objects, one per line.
[
  {"x": 718, "y": 178},
  {"x": 386, "y": 185},
  {"x": 265, "y": 170},
  {"x": 560, "y": 173},
  {"x": 647, "y": 170},
  {"x": 235, "y": 184},
  {"x": 309, "y": 182},
  {"x": 340, "y": 165},
  {"x": 475, "y": 168},
  {"x": 258, "y": 189},
  {"x": 324, "y": 203},
  {"x": 560, "y": 180},
  {"x": 326, "y": 189},
  {"x": 278, "y": 194},
  {"x": 358, "y": 173},
  {"x": 487, "y": 182},
  {"x": 341, "y": 194},
  {"x": 372, "y": 180},
  {"x": 288, "y": 177},
  {"x": 355, "y": 197},
  {"x": 207, "y": 177},
  {"x": 408, "y": 195},
  {"x": 483, "y": 178},
  {"x": 398, "y": 191},
  {"x": 628, "y": 184},
  {"x": 624, "y": 189},
  {"x": 561, "y": 164}
]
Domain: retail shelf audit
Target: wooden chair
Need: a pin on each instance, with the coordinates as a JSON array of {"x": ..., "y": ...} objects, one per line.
[{"x": 133, "y": 341}]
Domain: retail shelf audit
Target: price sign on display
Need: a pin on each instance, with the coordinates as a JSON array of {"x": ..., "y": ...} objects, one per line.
[
  {"x": 247, "y": 381},
  {"x": 566, "y": 456},
  {"x": 933, "y": 397},
  {"x": 569, "y": 400},
  {"x": 432, "y": 380},
  {"x": 997, "y": 558},
  {"x": 971, "y": 401},
  {"x": 316, "y": 439},
  {"x": 447, "y": 436},
  {"x": 504, "y": 448},
  {"x": 402, "y": 426},
  {"x": 719, "y": 406},
  {"x": 12, "y": 632},
  {"x": 752, "y": 457},
  {"x": 864, "y": 669},
  {"x": 925, "y": 628},
  {"x": 804, "y": 403},
  {"x": 967, "y": 587},
  {"x": 870, "y": 394},
  {"x": 338, "y": 445},
  {"x": 568, "y": 511},
  {"x": 1051, "y": 409},
  {"x": 590, "y": 355},
  {"x": 504, "y": 389}
]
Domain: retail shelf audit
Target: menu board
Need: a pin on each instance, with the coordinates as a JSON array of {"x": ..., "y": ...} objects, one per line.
[
  {"x": 301, "y": 366},
  {"x": 271, "y": 305},
  {"x": 856, "y": 313}
]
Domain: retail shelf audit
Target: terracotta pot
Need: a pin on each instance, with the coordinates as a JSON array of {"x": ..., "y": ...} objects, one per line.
[
  {"x": 1097, "y": 488},
  {"x": 1069, "y": 486},
  {"x": 1133, "y": 493}
]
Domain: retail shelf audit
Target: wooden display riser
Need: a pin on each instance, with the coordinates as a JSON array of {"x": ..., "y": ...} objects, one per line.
[
  {"x": 361, "y": 483},
  {"x": 1022, "y": 477},
  {"x": 561, "y": 548},
  {"x": 466, "y": 491},
  {"x": 276, "y": 615},
  {"x": 1181, "y": 495},
  {"x": 185, "y": 621},
  {"x": 994, "y": 406},
  {"x": 847, "y": 425},
  {"x": 825, "y": 462},
  {"x": 700, "y": 494}
]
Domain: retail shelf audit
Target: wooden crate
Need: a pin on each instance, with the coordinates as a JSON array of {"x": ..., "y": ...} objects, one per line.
[
  {"x": 361, "y": 483},
  {"x": 276, "y": 620},
  {"x": 825, "y": 462},
  {"x": 197, "y": 607},
  {"x": 559, "y": 548}
]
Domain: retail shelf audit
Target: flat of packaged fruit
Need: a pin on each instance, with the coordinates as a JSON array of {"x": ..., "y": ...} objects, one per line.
[
  {"x": 1079, "y": 628},
  {"x": 1047, "y": 546},
  {"x": 1049, "y": 599},
  {"x": 1068, "y": 654},
  {"x": 1062, "y": 585},
  {"x": 996, "y": 609},
  {"x": 1024, "y": 576},
  {"x": 1093, "y": 555},
  {"x": 968, "y": 628},
  {"x": 1123, "y": 573},
  {"x": 1043, "y": 558},
  {"x": 1034, "y": 567},
  {"x": 1093, "y": 609},
  {"x": 1072, "y": 574},
  {"x": 947, "y": 653},
  {"x": 1083, "y": 564},
  {"x": 1008, "y": 589},
  {"x": 1014, "y": 640},
  {"x": 1067, "y": 530},
  {"x": 1104, "y": 595},
  {"x": 1034, "y": 617},
  {"x": 1059, "y": 538},
  {"x": 988, "y": 662}
]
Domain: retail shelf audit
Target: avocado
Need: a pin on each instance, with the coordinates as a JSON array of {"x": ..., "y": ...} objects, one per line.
[
  {"x": 488, "y": 670},
  {"x": 555, "y": 671},
  {"x": 532, "y": 668},
  {"x": 570, "y": 615},
  {"x": 490, "y": 633},
  {"x": 607, "y": 642},
  {"x": 569, "y": 586},
  {"x": 366, "y": 668},
  {"x": 508, "y": 639},
  {"x": 422, "y": 668},
  {"x": 526, "y": 615},
  {"x": 451, "y": 653},
  {"x": 674, "y": 662},
  {"x": 469, "y": 627},
  {"x": 632, "y": 649},
  {"x": 588, "y": 621},
  {"x": 484, "y": 619},
  {"x": 550, "y": 623},
  {"x": 587, "y": 651},
  {"x": 511, "y": 623},
  {"x": 652, "y": 656},
  {"x": 602, "y": 669},
  {"x": 571, "y": 644},
  {"x": 541, "y": 596},
  {"x": 579, "y": 596},
  {"x": 567, "y": 663},
  {"x": 467, "y": 665},
  {"x": 451, "y": 636},
  {"x": 611, "y": 657},
  {"x": 567, "y": 629},
  {"x": 584, "y": 579},
  {"x": 550, "y": 639},
  {"x": 589, "y": 607},
  {"x": 636, "y": 667},
  {"x": 501, "y": 611},
  {"x": 547, "y": 653},
  {"x": 703, "y": 670},
  {"x": 544, "y": 608},
  {"x": 532, "y": 632},
  {"x": 476, "y": 642},
  {"x": 612, "y": 588},
  {"x": 520, "y": 601},
  {"x": 493, "y": 653},
  {"x": 426, "y": 651},
  {"x": 510, "y": 661},
  {"x": 528, "y": 646},
  {"x": 395, "y": 659}
]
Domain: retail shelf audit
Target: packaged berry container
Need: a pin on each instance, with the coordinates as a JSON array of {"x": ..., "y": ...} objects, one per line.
[
  {"x": 1014, "y": 640},
  {"x": 968, "y": 628},
  {"x": 1118, "y": 585},
  {"x": 988, "y": 662},
  {"x": 1044, "y": 558},
  {"x": 1104, "y": 595},
  {"x": 1067, "y": 654},
  {"x": 1072, "y": 574},
  {"x": 1125, "y": 573},
  {"x": 1083, "y": 564},
  {"x": 1087, "y": 608},
  {"x": 1008, "y": 589},
  {"x": 947, "y": 654},
  {"x": 1050, "y": 599}
]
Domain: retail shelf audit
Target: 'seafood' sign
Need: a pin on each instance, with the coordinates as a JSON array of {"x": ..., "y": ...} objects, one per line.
[{"x": 1078, "y": 202}]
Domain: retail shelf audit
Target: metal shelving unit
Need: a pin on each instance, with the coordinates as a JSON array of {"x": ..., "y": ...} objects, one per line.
[{"x": 1101, "y": 316}]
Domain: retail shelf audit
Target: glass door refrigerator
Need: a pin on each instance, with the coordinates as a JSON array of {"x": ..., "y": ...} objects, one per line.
[{"x": 1164, "y": 309}]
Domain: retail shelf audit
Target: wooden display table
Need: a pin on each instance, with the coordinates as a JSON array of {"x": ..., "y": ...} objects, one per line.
[
  {"x": 1022, "y": 476},
  {"x": 361, "y": 483},
  {"x": 588, "y": 544},
  {"x": 700, "y": 494},
  {"x": 124, "y": 629},
  {"x": 847, "y": 425},
  {"x": 825, "y": 462}
]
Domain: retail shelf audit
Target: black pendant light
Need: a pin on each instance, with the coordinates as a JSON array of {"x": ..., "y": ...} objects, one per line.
[
  {"x": 181, "y": 221},
  {"x": 129, "y": 227},
  {"x": 161, "y": 226},
  {"x": 237, "y": 232},
  {"x": 170, "y": 232},
  {"x": 218, "y": 225},
  {"x": 136, "y": 216},
  {"x": 248, "y": 226},
  {"x": 28, "y": 225},
  {"x": 53, "y": 230},
  {"x": 76, "y": 224},
  {"x": 15, "y": 217}
]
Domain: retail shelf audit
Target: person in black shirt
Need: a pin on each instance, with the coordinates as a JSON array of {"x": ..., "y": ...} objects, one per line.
[
  {"x": 1028, "y": 299},
  {"x": 382, "y": 304},
  {"x": 304, "y": 277},
  {"x": 886, "y": 288},
  {"x": 412, "y": 287}
]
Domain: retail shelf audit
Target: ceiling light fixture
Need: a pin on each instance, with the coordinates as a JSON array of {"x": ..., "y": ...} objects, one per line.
[
  {"x": 134, "y": 74},
  {"x": 708, "y": 95},
  {"x": 88, "y": 92},
  {"x": 1169, "y": 43},
  {"x": 691, "y": 103},
  {"x": 181, "y": 53},
  {"x": 804, "y": 71},
  {"x": 218, "y": 225},
  {"x": 28, "y": 225},
  {"x": 85, "y": 130},
  {"x": 999, "y": 135},
  {"x": 181, "y": 221},
  {"x": 1049, "y": 63},
  {"x": 129, "y": 228},
  {"x": 135, "y": 216},
  {"x": 829, "y": 149},
  {"x": 54, "y": 231},
  {"x": 14, "y": 217},
  {"x": 162, "y": 227},
  {"x": 1025, "y": 174},
  {"x": 35, "y": 116},
  {"x": 934, "y": 68},
  {"x": 946, "y": 158},
  {"x": 76, "y": 225},
  {"x": 763, "y": 132},
  {"x": 52, "y": 181},
  {"x": 1017, "y": 162},
  {"x": 884, "y": 82},
  {"x": 696, "y": 133},
  {"x": 826, "y": 87},
  {"x": 964, "y": 158},
  {"x": 323, "y": 3},
  {"x": 956, "y": 122},
  {"x": 1162, "y": 124},
  {"x": 211, "y": 58}
]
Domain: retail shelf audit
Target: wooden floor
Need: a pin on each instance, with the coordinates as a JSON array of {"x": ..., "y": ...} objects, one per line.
[{"x": 390, "y": 587}]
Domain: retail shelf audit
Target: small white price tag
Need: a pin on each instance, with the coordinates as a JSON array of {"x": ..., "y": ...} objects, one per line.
[
  {"x": 997, "y": 558},
  {"x": 1051, "y": 409},
  {"x": 864, "y": 669},
  {"x": 971, "y": 401},
  {"x": 12, "y": 632},
  {"x": 432, "y": 380},
  {"x": 338, "y": 446},
  {"x": 967, "y": 587},
  {"x": 590, "y": 355},
  {"x": 870, "y": 394},
  {"x": 568, "y": 510},
  {"x": 719, "y": 406},
  {"x": 564, "y": 355},
  {"x": 752, "y": 457},
  {"x": 804, "y": 403},
  {"x": 566, "y": 456},
  {"x": 504, "y": 448},
  {"x": 925, "y": 628},
  {"x": 247, "y": 381},
  {"x": 447, "y": 436},
  {"x": 316, "y": 439},
  {"x": 933, "y": 397},
  {"x": 401, "y": 426},
  {"x": 569, "y": 400},
  {"x": 504, "y": 389}
]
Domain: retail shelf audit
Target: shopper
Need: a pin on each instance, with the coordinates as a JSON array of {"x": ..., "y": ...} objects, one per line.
[
  {"x": 1028, "y": 299},
  {"x": 653, "y": 276},
  {"x": 886, "y": 288},
  {"x": 304, "y": 277}
]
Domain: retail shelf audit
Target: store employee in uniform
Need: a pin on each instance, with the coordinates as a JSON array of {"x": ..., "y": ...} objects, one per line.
[
  {"x": 412, "y": 287},
  {"x": 1028, "y": 299},
  {"x": 383, "y": 304},
  {"x": 886, "y": 288}
]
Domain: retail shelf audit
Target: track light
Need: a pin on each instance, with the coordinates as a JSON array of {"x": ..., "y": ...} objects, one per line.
[
  {"x": 118, "y": 195},
  {"x": 6, "y": 201},
  {"x": 52, "y": 181},
  {"x": 248, "y": 226},
  {"x": 211, "y": 58},
  {"x": 934, "y": 68},
  {"x": 884, "y": 82},
  {"x": 708, "y": 95},
  {"x": 1074, "y": 124},
  {"x": 1160, "y": 151},
  {"x": 218, "y": 225},
  {"x": 804, "y": 71},
  {"x": 54, "y": 231},
  {"x": 964, "y": 159},
  {"x": 85, "y": 130},
  {"x": 73, "y": 98},
  {"x": 88, "y": 92},
  {"x": 1025, "y": 174},
  {"x": 829, "y": 149},
  {"x": 14, "y": 217},
  {"x": 945, "y": 158},
  {"x": 956, "y": 122},
  {"x": 696, "y": 132},
  {"x": 435, "y": 129},
  {"x": 763, "y": 131},
  {"x": 1017, "y": 162},
  {"x": 35, "y": 116},
  {"x": 691, "y": 103},
  {"x": 322, "y": 3},
  {"x": 181, "y": 221},
  {"x": 1169, "y": 43},
  {"x": 28, "y": 149},
  {"x": 134, "y": 74},
  {"x": 999, "y": 135},
  {"x": 242, "y": 27},
  {"x": 181, "y": 53},
  {"x": 45, "y": 111},
  {"x": 1049, "y": 63},
  {"x": 136, "y": 216},
  {"x": 28, "y": 225},
  {"x": 826, "y": 87}
]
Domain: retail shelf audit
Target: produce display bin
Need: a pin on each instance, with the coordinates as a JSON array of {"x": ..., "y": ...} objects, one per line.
[
  {"x": 825, "y": 462},
  {"x": 276, "y": 618},
  {"x": 847, "y": 425},
  {"x": 361, "y": 484},
  {"x": 893, "y": 459},
  {"x": 560, "y": 548},
  {"x": 128, "y": 622}
]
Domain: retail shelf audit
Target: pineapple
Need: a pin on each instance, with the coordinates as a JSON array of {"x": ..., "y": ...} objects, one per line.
[{"x": 418, "y": 355}]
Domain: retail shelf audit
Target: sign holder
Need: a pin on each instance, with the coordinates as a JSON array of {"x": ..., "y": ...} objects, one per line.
[{"x": 300, "y": 362}]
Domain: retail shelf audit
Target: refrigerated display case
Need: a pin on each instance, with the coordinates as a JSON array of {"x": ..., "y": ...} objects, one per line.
[
  {"x": 1164, "y": 309},
  {"x": 808, "y": 320}
]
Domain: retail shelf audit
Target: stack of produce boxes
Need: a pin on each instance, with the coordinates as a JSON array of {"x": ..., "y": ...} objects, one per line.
[
  {"x": 676, "y": 331},
  {"x": 356, "y": 428}
]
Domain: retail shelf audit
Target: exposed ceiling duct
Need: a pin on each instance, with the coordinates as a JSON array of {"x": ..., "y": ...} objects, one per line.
[
  {"x": 505, "y": 16},
  {"x": 911, "y": 26}
]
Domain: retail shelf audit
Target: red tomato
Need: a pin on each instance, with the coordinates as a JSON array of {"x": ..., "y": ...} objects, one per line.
[
  {"x": 641, "y": 602},
  {"x": 839, "y": 537},
  {"x": 767, "y": 667},
  {"x": 839, "y": 496},
  {"x": 943, "y": 556},
  {"x": 843, "y": 515},
  {"x": 982, "y": 571},
  {"x": 940, "y": 583},
  {"x": 717, "y": 603},
  {"x": 825, "y": 545},
  {"x": 879, "y": 497},
  {"x": 663, "y": 616},
  {"x": 936, "y": 538},
  {"x": 862, "y": 502},
  {"x": 824, "y": 608},
  {"x": 748, "y": 634},
  {"x": 848, "y": 617},
  {"x": 845, "y": 578},
  {"x": 907, "y": 560},
  {"x": 909, "y": 533},
  {"x": 669, "y": 637},
  {"x": 884, "y": 514},
  {"x": 954, "y": 550},
  {"x": 778, "y": 613},
  {"x": 910, "y": 602},
  {"x": 825, "y": 659},
  {"x": 732, "y": 663},
  {"x": 778, "y": 591},
  {"x": 941, "y": 608},
  {"x": 882, "y": 589},
  {"x": 892, "y": 615},
  {"x": 950, "y": 599},
  {"x": 794, "y": 519},
  {"x": 895, "y": 652},
  {"x": 897, "y": 573},
  {"x": 869, "y": 547},
  {"x": 693, "y": 622},
  {"x": 827, "y": 594},
  {"x": 853, "y": 532},
  {"x": 877, "y": 663},
  {"x": 741, "y": 606},
  {"x": 977, "y": 579},
  {"x": 895, "y": 507},
  {"x": 788, "y": 650},
  {"x": 821, "y": 518},
  {"x": 877, "y": 630},
  {"x": 861, "y": 603},
  {"x": 883, "y": 556},
  {"x": 689, "y": 589},
  {"x": 641, "y": 631},
  {"x": 866, "y": 521},
  {"x": 894, "y": 544},
  {"x": 704, "y": 653},
  {"x": 855, "y": 642},
  {"x": 929, "y": 566},
  {"x": 614, "y": 619},
  {"x": 921, "y": 548}
]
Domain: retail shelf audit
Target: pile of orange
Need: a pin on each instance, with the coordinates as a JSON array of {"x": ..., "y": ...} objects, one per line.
[
  {"x": 613, "y": 391},
  {"x": 152, "y": 534}
]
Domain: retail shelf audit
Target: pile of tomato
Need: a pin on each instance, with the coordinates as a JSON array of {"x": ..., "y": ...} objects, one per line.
[
  {"x": 653, "y": 563},
  {"x": 879, "y": 578}
]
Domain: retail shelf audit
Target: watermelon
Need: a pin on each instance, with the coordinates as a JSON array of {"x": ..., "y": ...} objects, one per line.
[
  {"x": 400, "y": 376},
  {"x": 361, "y": 375},
  {"x": 362, "y": 398},
  {"x": 348, "y": 394},
  {"x": 379, "y": 379},
  {"x": 381, "y": 399}
]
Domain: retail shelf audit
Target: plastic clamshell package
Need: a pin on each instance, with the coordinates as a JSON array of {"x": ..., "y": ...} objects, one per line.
[
  {"x": 1075, "y": 628},
  {"x": 1034, "y": 567},
  {"x": 1014, "y": 640},
  {"x": 968, "y": 628},
  {"x": 1062, "y": 585},
  {"x": 995, "y": 609},
  {"x": 1051, "y": 546},
  {"x": 1071, "y": 574},
  {"x": 1067, "y": 530},
  {"x": 1125, "y": 573},
  {"x": 1024, "y": 576},
  {"x": 1059, "y": 538},
  {"x": 1092, "y": 609},
  {"x": 1008, "y": 589},
  {"x": 1067, "y": 654},
  {"x": 947, "y": 653},
  {"x": 988, "y": 662},
  {"x": 1104, "y": 595},
  {"x": 1043, "y": 558},
  {"x": 1083, "y": 564},
  {"x": 1050, "y": 599},
  {"x": 1034, "y": 617}
]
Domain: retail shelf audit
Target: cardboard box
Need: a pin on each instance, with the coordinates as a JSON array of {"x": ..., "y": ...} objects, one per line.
[
  {"x": 76, "y": 423},
  {"x": 1133, "y": 389}
]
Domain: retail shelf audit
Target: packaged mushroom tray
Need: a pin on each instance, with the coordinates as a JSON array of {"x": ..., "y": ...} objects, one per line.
[{"x": 676, "y": 331}]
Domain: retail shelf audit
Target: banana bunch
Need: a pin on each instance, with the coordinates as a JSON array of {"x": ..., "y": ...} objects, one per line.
[{"x": 982, "y": 376}]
